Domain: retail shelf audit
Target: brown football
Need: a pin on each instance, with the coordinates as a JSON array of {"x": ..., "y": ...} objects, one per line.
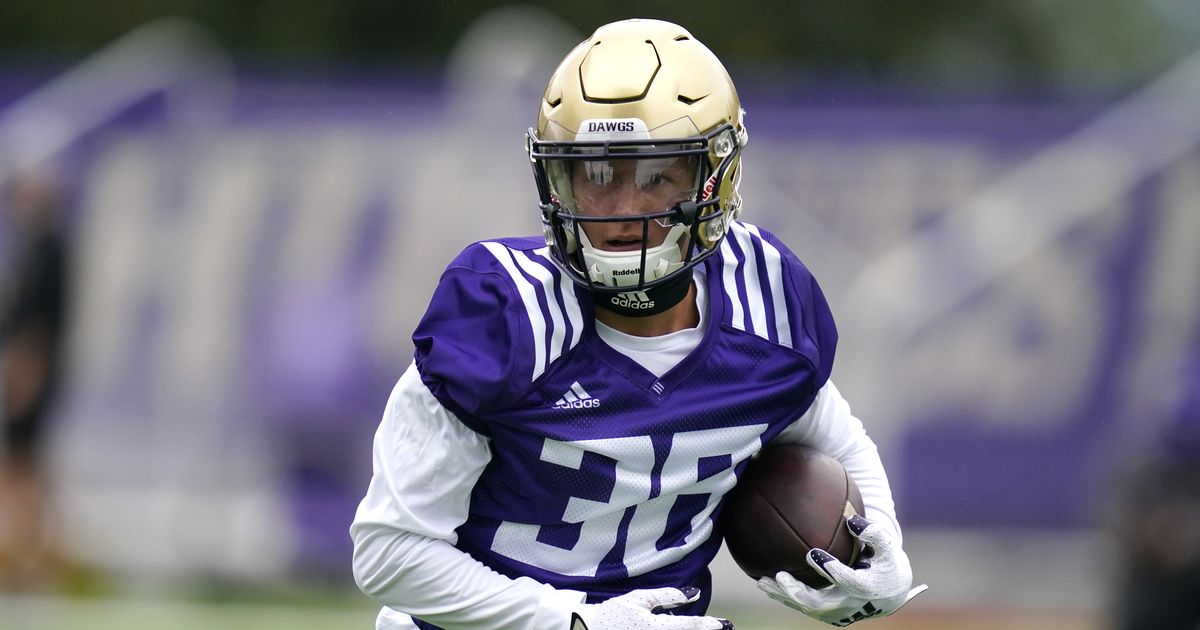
[{"x": 790, "y": 499}]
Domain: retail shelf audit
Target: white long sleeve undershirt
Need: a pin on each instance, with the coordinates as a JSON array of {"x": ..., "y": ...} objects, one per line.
[{"x": 425, "y": 463}]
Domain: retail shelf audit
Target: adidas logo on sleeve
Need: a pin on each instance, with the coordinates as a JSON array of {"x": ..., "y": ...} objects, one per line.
[{"x": 576, "y": 398}]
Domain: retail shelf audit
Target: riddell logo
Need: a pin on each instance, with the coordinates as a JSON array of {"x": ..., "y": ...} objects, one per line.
[
  {"x": 709, "y": 186},
  {"x": 610, "y": 125},
  {"x": 633, "y": 299},
  {"x": 625, "y": 272},
  {"x": 576, "y": 398}
]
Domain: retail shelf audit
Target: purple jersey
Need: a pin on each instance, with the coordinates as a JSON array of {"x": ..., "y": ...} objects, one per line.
[{"x": 605, "y": 478}]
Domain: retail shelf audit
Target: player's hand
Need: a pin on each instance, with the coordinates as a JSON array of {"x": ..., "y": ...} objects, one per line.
[
  {"x": 878, "y": 584},
  {"x": 636, "y": 610}
]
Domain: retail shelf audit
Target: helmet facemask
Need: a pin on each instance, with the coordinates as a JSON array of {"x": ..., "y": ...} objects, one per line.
[{"x": 652, "y": 207}]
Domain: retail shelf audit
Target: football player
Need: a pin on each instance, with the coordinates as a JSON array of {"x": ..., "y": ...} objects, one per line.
[{"x": 556, "y": 455}]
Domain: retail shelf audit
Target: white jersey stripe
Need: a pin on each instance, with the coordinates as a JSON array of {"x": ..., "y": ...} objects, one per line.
[
  {"x": 529, "y": 299},
  {"x": 774, "y": 261},
  {"x": 755, "y": 303},
  {"x": 559, "y": 333},
  {"x": 729, "y": 280},
  {"x": 570, "y": 303}
]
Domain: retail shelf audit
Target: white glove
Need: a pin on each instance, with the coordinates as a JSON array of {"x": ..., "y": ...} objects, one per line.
[
  {"x": 635, "y": 611},
  {"x": 878, "y": 584}
]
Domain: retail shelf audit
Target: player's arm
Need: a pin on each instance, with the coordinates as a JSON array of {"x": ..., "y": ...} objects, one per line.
[
  {"x": 881, "y": 581},
  {"x": 829, "y": 426},
  {"x": 425, "y": 464}
]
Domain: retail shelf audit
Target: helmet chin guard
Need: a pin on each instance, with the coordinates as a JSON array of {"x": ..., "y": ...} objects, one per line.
[{"x": 629, "y": 269}]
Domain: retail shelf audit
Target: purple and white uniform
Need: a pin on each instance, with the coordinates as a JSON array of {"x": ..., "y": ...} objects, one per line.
[{"x": 556, "y": 452}]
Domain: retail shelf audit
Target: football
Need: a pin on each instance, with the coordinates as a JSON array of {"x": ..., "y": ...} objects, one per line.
[{"x": 790, "y": 499}]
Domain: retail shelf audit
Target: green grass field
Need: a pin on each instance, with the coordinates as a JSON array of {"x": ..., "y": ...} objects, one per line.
[{"x": 342, "y": 611}]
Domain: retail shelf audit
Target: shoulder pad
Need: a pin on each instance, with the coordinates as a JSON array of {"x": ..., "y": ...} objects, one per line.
[
  {"x": 770, "y": 293},
  {"x": 502, "y": 313}
]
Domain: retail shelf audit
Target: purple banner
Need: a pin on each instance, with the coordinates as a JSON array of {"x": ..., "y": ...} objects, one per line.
[{"x": 1016, "y": 295}]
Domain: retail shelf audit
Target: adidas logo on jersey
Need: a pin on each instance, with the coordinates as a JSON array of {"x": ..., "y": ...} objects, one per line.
[
  {"x": 576, "y": 398},
  {"x": 634, "y": 300}
]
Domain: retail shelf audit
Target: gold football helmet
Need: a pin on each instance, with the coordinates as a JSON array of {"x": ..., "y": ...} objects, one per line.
[{"x": 636, "y": 156}]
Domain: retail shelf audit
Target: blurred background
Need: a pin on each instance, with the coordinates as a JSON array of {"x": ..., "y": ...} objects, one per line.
[{"x": 220, "y": 221}]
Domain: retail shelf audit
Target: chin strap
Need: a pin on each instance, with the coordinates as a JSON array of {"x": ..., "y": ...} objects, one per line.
[{"x": 645, "y": 303}]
